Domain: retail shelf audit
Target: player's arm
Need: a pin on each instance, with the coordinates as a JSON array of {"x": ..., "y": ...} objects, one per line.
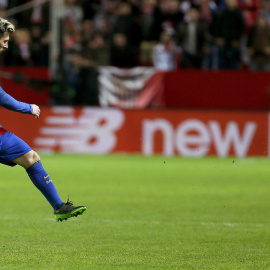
[{"x": 12, "y": 104}]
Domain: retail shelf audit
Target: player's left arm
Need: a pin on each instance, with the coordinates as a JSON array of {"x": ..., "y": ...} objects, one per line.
[
  {"x": 12, "y": 104},
  {"x": 36, "y": 110}
]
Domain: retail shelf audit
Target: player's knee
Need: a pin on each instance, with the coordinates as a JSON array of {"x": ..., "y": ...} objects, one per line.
[
  {"x": 31, "y": 158},
  {"x": 34, "y": 157},
  {"x": 27, "y": 160}
]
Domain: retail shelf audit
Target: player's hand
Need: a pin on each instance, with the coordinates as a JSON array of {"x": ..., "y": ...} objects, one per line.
[{"x": 36, "y": 110}]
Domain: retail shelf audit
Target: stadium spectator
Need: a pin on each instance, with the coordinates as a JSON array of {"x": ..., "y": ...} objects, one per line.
[
  {"x": 228, "y": 31},
  {"x": 207, "y": 9},
  {"x": 90, "y": 8},
  {"x": 130, "y": 29},
  {"x": 104, "y": 29},
  {"x": 106, "y": 11},
  {"x": 39, "y": 14},
  {"x": 165, "y": 53},
  {"x": 265, "y": 9},
  {"x": 39, "y": 46},
  {"x": 150, "y": 20},
  {"x": 99, "y": 51},
  {"x": 82, "y": 71},
  {"x": 85, "y": 81},
  {"x": 171, "y": 16},
  {"x": 192, "y": 37},
  {"x": 250, "y": 10},
  {"x": 126, "y": 24},
  {"x": 151, "y": 28},
  {"x": 122, "y": 54},
  {"x": 259, "y": 44},
  {"x": 19, "y": 54},
  {"x": 88, "y": 30},
  {"x": 73, "y": 15},
  {"x": 95, "y": 53},
  {"x": 19, "y": 17},
  {"x": 135, "y": 9}
]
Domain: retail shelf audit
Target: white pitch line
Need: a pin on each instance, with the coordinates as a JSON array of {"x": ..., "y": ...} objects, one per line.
[
  {"x": 187, "y": 223},
  {"x": 31, "y": 219},
  {"x": 202, "y": 223}
]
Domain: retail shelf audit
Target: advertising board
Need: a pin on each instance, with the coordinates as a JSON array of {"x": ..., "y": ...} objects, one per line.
[{"x": 168, "y": 132}]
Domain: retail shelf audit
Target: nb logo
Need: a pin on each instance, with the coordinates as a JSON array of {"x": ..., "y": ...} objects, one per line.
[{"x": 93, "y": 131}]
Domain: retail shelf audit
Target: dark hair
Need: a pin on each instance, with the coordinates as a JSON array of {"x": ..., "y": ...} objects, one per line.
[{"x": 6, "y": 27}]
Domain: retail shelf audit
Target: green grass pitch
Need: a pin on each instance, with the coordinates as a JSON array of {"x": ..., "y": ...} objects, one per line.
[{"x": 142, "y": 213}]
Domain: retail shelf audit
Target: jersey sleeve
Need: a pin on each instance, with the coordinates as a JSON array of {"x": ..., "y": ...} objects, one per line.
[{"x": 12, "y": 104}]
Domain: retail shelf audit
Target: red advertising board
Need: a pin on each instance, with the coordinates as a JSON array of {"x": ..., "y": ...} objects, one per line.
[
  {"x": 216, "y": 90},
  {"x": 172, "y": 132}
]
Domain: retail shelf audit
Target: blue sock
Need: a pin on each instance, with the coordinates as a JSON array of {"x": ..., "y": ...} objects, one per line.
[{"x": 44, "y": 183}]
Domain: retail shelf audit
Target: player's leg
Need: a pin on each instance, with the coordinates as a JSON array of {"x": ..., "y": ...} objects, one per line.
[
  {"x": 31, "y": 162},
  {"x": 14, "y": 151},
  {"x": 40, "y": 178}
]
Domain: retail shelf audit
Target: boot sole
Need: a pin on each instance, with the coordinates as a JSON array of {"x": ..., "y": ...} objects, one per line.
[{"x": 73, "y": 213}]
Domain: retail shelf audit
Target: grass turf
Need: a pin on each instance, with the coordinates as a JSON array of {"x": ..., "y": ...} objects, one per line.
[{"x": 142, "y": 213}]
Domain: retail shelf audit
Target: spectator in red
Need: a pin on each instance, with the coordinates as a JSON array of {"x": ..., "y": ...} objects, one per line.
[{"x": 250, "y": 10}]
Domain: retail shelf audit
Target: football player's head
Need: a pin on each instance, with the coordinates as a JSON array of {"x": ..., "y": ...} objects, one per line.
[{"x": 6, "y": 28}]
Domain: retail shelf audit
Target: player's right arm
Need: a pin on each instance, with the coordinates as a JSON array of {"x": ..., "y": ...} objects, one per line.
[{"x": 12, "y": 104}]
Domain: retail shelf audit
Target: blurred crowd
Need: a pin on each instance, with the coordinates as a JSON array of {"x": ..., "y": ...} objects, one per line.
[
  {"x": 169, "y": 34},
  {"x": 166, "y": 34}
]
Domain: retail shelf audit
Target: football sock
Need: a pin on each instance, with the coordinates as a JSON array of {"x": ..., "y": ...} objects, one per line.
[{"x": 43, "y": 182}]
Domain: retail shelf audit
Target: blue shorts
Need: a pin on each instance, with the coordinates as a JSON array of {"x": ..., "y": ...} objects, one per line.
[{"x": 11, "y": 147}]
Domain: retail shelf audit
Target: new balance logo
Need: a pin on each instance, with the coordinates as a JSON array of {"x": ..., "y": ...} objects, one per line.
[{"x": 92, "y": 131}]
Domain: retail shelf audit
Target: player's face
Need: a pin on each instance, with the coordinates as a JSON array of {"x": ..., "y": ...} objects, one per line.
[{"x": 4, "y": 42}]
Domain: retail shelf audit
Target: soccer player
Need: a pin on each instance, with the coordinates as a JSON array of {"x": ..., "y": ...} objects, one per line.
[{"x": 15, "y": 151}]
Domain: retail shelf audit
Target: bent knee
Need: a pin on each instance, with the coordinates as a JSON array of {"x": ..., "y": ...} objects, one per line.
[
  {"x": 33, "y": 157},
  {"x": 27, "y": 160}
]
